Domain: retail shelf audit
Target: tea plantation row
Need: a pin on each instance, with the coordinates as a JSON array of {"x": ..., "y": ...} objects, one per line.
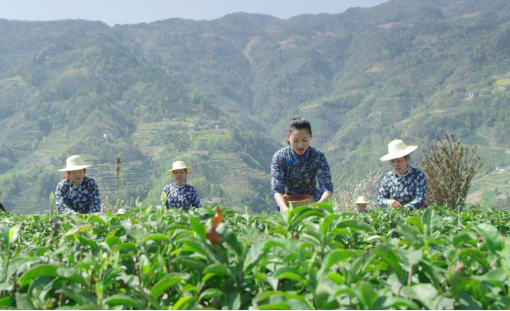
[{"x": 309, "y": 258}]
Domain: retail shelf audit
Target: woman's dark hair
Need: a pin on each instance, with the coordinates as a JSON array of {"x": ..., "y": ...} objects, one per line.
[
  {"x": 69, "y": 174},
  {"x": 300, "y": 123}
]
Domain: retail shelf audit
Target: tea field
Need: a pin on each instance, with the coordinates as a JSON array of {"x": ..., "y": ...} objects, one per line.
[{"x": 308, "y": 258}]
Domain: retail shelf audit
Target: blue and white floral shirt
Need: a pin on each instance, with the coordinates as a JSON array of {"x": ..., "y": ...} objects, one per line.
[
  {"x": 410, "y": 189},
  {"x": 183, "y": 196},
  {"x": 84, "y": 198},
  {"x": 299, "y": 176}
]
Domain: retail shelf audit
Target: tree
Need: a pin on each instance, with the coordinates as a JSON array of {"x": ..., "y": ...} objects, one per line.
[{"x": 449, "y": 167}]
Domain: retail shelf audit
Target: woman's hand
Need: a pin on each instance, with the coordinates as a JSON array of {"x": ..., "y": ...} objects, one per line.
[
  {"x": 325, "y": 196},
  {"x": 280, "y": 201},
  {"x": 393, "y": 203}
]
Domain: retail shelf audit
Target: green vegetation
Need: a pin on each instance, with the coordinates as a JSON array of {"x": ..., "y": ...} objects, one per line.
[
  {"x": 502, "y": 82},
  {"x": 306, "y": 259}
]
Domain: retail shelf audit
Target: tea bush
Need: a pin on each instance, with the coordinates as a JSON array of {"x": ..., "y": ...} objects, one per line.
[{"x": 308, "y": 258}]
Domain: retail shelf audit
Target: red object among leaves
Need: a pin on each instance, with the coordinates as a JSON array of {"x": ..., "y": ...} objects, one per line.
[{"x": 211, "y": 234}]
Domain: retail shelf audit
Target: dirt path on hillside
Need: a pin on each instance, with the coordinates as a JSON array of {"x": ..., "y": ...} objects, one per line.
[{"x": 249, "y": 46}]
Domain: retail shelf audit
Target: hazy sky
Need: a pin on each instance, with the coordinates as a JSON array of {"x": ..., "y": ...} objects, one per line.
[{"x": 136, "y": 11}]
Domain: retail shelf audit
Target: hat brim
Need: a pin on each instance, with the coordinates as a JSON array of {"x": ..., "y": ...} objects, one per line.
[
  {"x": 400, "y": 154},
  {"x": 361, "y": 202},
  {"x": 74, "y": 168},
  {"x": 188, "y": 169}
]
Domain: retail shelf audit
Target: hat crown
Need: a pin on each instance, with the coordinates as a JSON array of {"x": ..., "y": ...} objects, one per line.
[
  {"x": 74, "y": 163},
  {"x": 74, "y": 160},
  {"x": 179, "y": 165},
  {"x": 398, "y": 149},
  {"x": 361, "y": 199},
  {"x": 396, "y": 146}
]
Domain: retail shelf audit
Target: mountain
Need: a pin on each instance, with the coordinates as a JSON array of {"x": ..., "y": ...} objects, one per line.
[{"x": 219, "y": 95}]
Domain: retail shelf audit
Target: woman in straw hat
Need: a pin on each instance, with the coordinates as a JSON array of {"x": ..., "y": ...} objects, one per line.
[
  {"x": 361, "y": 204},
  {"x": 179, "y": 194},
  {"x": 296, "y": 169},
  {"x": 404, "y": 186},
  {"x": 77, "y": 193}
]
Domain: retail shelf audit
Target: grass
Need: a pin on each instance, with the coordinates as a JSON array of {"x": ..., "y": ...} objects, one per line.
[
  {"x": 502, "y": 82},
  {"x": 474, "y": 140},
  {"x": 17, "y": 78}
]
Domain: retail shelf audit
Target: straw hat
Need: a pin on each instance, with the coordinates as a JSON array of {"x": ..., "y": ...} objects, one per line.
[
  {"x": 398, "y": 149},
  {"x": 74, "y": 163},
  {"x": 179, "y": 165},
  {"x": 361, "y": 200},
  {"x": 121, "y": 211}
]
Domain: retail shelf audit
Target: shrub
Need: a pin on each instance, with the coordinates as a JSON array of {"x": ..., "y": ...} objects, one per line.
[
  {"x": 449, "y": 167},
  {"x": 367, "y": 187}
]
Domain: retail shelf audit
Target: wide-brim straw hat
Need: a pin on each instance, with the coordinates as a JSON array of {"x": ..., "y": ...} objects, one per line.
[
  {"x": 179, "y": 165},
  {"x": 74, "y": 163},
  {"x": 398, "y": 149},
  {"x": 361, "y": 200}
]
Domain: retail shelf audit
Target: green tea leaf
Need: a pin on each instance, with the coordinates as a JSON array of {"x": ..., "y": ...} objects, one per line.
[
  {"x": 387, "y": 254},
  {"x": 162, "y": 285},
  {"x": 123, "y": 300},
  {"x": 290, "y": 273},
  {"x": 431, "y": 222},
  {"x": 190, "y": 262},
  {"x": 218, "y": 269},
  {"x": 230, "y": 238},
  {"x": 355, "y": 224},
  {"x": 326, "y": 223},
  {"x": 425, "y": 292},
  {"x": 338, "y": 255},
  {"x": 40, "y": 270},
  {"x": 415, "y": 220},
  {"x": 197, "y": 227},
  {"x": 209, "y": 293},
  {"x": 78, "y": 229},
  {"x": 155, "y": 237},
  {"x": 123, "y": 246},
  {"x": 491, "y": 235},
  {"x": 185, "y": 303},
  {"x": 24, "y": 302},
  {"x": 13, "y": 234}
]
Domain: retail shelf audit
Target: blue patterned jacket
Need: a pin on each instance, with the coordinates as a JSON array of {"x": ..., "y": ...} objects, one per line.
[
  {"x": 84, "y": 198},
  {"x": 299, "y": 176},
  {"x": 410, "y": 189},
  {"x": 184, "y": 196}
]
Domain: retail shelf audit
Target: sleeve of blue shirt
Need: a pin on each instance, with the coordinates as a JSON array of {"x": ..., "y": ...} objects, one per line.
[
  {"x": 59, "y": 200},
  {"x": 277, "y": 175},
  {"x": 95, "y": 207},
  {"x": 195, "y": 200},
  {"x": 384, "y": 192},
  {"x": 421, "y": 192},
  {"x": 324, "y": 175}
]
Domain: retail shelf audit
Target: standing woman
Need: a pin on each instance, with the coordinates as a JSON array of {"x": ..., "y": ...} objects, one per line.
[
  {"x": 77, "y": 193},
  {"x": 296, "y": 169},
  {"x": 403, "y": 186},
  {"x": 179, "y": 194}
]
